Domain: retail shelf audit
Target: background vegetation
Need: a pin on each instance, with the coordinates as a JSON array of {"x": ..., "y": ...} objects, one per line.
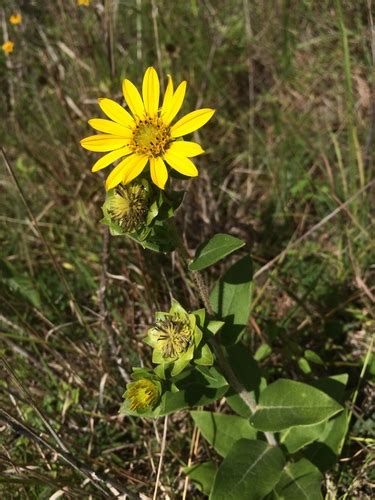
[{"x": 289, "y": 159}]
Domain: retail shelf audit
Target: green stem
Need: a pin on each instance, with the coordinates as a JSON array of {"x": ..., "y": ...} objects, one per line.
[{"x": 225, "y": 367}]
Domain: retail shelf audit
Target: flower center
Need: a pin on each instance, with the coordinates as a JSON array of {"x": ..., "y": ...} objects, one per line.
[
  {"x": 174, "y": 335},
  {"x": 150, "y": 137},
  {"x": 142, "y": 394}
]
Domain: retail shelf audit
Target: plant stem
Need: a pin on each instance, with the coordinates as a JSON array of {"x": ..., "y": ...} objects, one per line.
[{"x": 226, "y": 368}]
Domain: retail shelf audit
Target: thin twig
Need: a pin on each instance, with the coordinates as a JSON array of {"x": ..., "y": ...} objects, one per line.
[
  {"x": 371, "y": 130},
  {"x": 312, "y": 230},
  {"x": 35, "y": 223},
  {"x": 30, "y": 401},
  {"x": 95, "y": 478},
  {"x": 155, "y": 14},
  {"x": 109, "y": 14},
  {"x": 162, "y": 450},
  {"x": 193, "y": 447},
  {"x": 250, "y": 77}
]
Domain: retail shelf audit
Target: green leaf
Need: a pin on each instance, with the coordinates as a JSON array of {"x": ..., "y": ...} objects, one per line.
[
  {"x": 304, "y": 365},
  {"x": 199, "y": 386},
  {"x": 334, "y": 386},
  {"x": 236, "y": 403},
  {"x": 324, "y": 453},
  {"x": 262, "y": 352},
  {"x": 211, "y": 376},
  {"x": 244, "y": 367},
  {"x": 218, "y": 247},
  {"x": 194, "y": 395},
  {"x": 296, "y": 438},
  {"x": 313, "y": 357},
  {"x": 205, "y": 358},
  {"x": 287, "y": 403},
  {"x": 231, "y": 299},
  {"x": 202, "y": 475},
  {"x": 221, "y": 431},
  {"x": 214, "y": 326},
  {"x": 299, "y": 480},
  {"x": 250, "y": 471}
]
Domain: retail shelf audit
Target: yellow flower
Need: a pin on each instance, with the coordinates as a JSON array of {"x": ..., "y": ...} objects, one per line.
[
  {"x": 15, "y": 18},
  {"x": 8, "y": 47},
  {"x": 83, "y": 2},
  {"x": 142, "y": 394},
  {"x": 148, "y": 136}
]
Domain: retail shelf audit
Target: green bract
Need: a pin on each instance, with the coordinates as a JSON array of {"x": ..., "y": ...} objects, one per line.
[
  {"x": 175, "y": 337},
  {"x": 141, "y": 212}
]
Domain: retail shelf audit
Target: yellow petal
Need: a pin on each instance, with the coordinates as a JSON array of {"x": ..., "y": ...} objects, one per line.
[
  {"x": 177, "y": 100},
  {"x": 159, "y": 173},
  {"x": 110, "y": 127},
  {"x": 117, "y": 174},
  {"x": 186, "y": 148},
  {"x": 151, "y": 91},
  {"x": 116, "y": 112},
  {"x": 127, "y": 170},
  {"x": 167, "y": 101},
  {"x": 109, "y": 158},
  {"x": 103, "y": 142},
  {"x": 134, "y": 168},
  {"x": 191, "y": 122},
  {"x": 181, "y": 163},
  {"x": 133, "y": 98}
]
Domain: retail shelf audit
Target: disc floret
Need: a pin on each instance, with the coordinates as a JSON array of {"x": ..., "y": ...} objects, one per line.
[
  {"x": 151, "y": 137},
  {"x": 142, "y": 394}
]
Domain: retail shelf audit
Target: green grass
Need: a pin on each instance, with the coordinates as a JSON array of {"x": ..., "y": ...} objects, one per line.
[{"x": 273, "y": 170}]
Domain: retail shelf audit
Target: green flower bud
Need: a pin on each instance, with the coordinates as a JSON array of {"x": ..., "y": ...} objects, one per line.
[
  {"x": 142, "y": 394},
  {"x": 174, "y": 338},
  {"x": 174, "y": 335},
  {"x": 128, "y": 205}
]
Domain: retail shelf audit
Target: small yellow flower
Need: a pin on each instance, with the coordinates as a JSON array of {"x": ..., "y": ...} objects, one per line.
[
  {"x": 147, "y": 137},
  {"x": 86, "y": 3},
  {"x": 142, "y": 394},
  {"x": 8, "y": 47},
  {"x": 15, "y": 18}
]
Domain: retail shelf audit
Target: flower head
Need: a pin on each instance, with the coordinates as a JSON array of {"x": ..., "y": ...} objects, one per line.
[
  {"x": 142, "y": 394},
  {"x": 86, "y": 3},
  {"x": 128, "y": 205},
  {"x": 174, "y": 337},
  {"x": 146, "y": 136},
  {"x": 16, "y": 18},
  {"x": 8, "y": 47}
]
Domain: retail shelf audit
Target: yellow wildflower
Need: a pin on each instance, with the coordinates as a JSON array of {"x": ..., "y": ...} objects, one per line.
[
  {"x": 15, "y": 18},
  {"x": 8, "y": 47},
  {"x": 148, "y": 136},
  {"x": 142, "y": 394},
  {"x": 86, "y": 3}
]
